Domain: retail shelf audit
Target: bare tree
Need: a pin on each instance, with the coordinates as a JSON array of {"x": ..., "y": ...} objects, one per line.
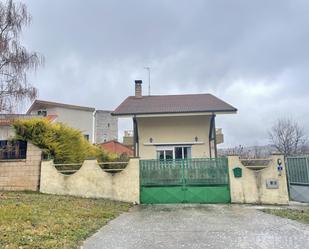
[
  {"x": 256, "y": 152},
  {"x": 235, "y": 151},
  {"x": 15, "y": 60},
  {"x": 287, "y": 136}
]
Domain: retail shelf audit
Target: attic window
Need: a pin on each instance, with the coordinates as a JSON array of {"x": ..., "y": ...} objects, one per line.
[{"x": 42, "y": 113}]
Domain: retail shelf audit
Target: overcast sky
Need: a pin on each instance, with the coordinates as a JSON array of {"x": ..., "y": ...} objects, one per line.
[{"x": 252, "y": 54}]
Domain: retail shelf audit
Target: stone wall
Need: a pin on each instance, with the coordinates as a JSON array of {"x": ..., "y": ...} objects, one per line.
[
  {"x": 91, "y": 181},
  {"x": 22, "y": 174},
  {"x": 106, "y": 127},
  {"x": 251, "y": 186}
]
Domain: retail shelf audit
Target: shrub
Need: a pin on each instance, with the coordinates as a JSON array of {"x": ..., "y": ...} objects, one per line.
[{"x": 58, "y": 141}]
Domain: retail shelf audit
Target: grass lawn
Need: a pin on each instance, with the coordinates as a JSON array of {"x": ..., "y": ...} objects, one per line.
[
  {"x": 32, "y": 220},
  {"x": 294, "y": 214}
]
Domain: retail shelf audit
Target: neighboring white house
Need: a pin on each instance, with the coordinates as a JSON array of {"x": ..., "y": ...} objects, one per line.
[
  {"x": 78, "y": 117},
  {"x": 6, "y": 124}
]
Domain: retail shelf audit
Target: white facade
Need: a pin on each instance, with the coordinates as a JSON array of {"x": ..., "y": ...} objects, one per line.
[
  {"x": 97, "y": 126},
  {"x": 6, "y": 132},
  {"x": 78, "y": 119}
]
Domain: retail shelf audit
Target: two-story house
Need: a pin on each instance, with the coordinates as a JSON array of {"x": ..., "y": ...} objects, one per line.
[
  {"x": 97, "y": 126},
  {"x": 173, "y": 126}
]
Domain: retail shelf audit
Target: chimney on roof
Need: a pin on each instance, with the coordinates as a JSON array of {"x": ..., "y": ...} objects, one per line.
[{"x": 138, "y": 88}]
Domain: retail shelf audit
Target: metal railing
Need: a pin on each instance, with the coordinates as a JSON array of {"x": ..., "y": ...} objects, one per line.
[
  {"x": 68, "y": 168},
  {"x": 113, "y": 166},
  {"x": 195, "y": 171},
  {"x": 13, "y": 150},
  {"x": 71, "y": 168}
]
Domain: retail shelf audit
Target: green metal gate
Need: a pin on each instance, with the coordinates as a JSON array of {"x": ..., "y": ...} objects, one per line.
[
  {"x": 298, "y": 178},
  {"x": 202, "y": 180}
]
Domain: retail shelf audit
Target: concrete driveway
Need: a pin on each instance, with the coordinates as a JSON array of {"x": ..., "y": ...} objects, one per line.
[{"x": 199, "y": 226}]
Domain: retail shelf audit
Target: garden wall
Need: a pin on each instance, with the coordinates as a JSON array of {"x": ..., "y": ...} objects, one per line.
[
  {"x": 251, "y": 187},
  {"x": 91, "y": 181},
  {"x": 22, "y": 174}
]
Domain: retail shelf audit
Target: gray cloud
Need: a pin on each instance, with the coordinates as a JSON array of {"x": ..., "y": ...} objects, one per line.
[{"x": 253, "y": 54}]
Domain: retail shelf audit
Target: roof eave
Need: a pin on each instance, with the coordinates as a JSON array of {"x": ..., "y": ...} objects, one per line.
[
  {"x": 30, "y": 108},
  {"x": 208, "y": 112},
  {"x": 60, "y": 105}
]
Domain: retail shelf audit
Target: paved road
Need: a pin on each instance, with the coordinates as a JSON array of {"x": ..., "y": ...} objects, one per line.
[{"x": 199, "y": 226}]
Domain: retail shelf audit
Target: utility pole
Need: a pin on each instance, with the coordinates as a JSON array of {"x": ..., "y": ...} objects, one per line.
[{"x": 148, "y": 69}]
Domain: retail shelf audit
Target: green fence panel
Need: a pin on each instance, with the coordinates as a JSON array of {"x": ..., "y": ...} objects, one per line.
[
  {"x": 206, "y": 171},
  {"x": 207, "y": 194},
  {"x": 177, "y": 194},
  {"x": 162, "y": 195},
  {"x": 158, "y": 173},
  {"x": 298, "y": 178},
  {"x": 298, "y": 170}
]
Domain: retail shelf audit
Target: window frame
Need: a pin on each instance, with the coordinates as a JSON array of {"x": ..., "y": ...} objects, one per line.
[
  {"x": 172, "y": 148},
  {"x": 42, "y": 112}
]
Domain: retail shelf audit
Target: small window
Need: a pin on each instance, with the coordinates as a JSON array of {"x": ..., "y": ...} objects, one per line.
[
  {"x": 86, "y": 136},
  {"x": 42, "y": 113},
  {"x": 108, "y": 125}
]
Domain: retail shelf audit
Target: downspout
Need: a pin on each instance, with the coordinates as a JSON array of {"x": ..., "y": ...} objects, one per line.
[
  {"x": 210, "y": 136},
  {"x": 94, "y": 127},
  {"x": 135, "y": 137},
  {"x": 215, "y": 135},
  {"x": 209, "y": 147}
]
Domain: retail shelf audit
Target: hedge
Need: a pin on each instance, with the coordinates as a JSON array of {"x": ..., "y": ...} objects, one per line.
[{"x": 58, "y": 141}]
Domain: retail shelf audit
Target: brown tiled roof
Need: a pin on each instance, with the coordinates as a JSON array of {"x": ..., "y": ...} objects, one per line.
[
  {"x": 166, "y": 104},
  {"x": 41, "y": 104}
]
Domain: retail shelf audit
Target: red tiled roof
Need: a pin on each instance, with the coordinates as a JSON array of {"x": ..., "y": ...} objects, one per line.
[
  {"x": 51, "y": 118},
  {"x": 8, "y": 119},
  {"x": 166, "y": 104},
  {"x": 117, "y": 148}
]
